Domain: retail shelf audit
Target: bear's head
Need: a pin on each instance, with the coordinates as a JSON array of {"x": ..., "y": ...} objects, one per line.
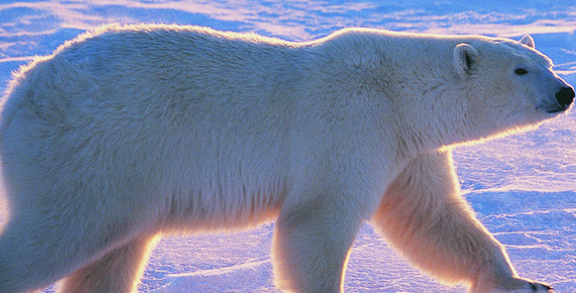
[{"x": 508, "y": 85}]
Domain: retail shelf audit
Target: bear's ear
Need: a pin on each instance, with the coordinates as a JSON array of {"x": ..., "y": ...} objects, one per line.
[
  {"x": 528, "y": 41},
  {"x": 464, "y": 58}
]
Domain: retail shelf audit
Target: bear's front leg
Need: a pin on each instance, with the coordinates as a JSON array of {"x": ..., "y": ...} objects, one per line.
[
  {"x": 424, "y": 217},
  {"x": 312, "y": 239}
]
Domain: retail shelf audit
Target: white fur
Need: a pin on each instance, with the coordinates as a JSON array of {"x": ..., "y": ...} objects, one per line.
[{"x": 130, "y": 132}]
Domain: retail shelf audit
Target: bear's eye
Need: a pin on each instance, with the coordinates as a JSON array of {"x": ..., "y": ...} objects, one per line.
[{"x": 521, "y": 71}]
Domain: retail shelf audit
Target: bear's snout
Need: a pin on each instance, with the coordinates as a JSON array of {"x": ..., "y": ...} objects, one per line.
[
  {"x": 565, "y": 97},
  {"x": 561, "y": 101}
]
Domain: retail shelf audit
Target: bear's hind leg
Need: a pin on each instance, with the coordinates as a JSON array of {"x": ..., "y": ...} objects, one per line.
[
  {"x": 117, "y": 271},
  {"x": 40, "y": 246},
  {"x": 30, "y": 257},
  {"x": 424, "y": 217}
]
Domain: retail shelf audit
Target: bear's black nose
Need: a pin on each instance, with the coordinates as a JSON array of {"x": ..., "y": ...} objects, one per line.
[{"x": 565, "y": 96}]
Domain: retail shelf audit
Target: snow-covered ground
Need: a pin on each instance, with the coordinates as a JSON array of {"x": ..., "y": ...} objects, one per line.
[{"x": 523, "y": 187}]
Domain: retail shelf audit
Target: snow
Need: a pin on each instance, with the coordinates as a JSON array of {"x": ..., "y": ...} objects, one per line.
[{"x": 522, "y": 187}]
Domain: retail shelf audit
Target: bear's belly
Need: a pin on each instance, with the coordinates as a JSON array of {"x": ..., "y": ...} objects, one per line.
[{"x": 223, "y": 203}]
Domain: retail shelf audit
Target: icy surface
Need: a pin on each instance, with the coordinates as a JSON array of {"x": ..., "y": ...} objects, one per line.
[{"x": 522, "y": 187}]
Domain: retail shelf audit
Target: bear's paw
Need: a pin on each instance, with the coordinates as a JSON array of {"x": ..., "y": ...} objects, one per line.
[{"x": 514, "y": 285}]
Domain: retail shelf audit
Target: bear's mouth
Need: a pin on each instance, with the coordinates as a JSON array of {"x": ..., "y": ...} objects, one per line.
[
  {"x": 552, "y": 109},
  {"x": 558, "y": 109}
]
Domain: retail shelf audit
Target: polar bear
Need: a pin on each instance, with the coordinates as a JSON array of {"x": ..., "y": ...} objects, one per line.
[{"x": 130, "y": 132}]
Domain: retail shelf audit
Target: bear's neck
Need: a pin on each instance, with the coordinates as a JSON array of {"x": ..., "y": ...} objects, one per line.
[
  {"x": 411, "y": 83},
  {"x": 433, "y": 115},
  {"x": 421, "y": 88}
]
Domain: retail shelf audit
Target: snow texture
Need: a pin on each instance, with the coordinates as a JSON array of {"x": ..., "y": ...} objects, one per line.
[{"x": 522, "y": 187}]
